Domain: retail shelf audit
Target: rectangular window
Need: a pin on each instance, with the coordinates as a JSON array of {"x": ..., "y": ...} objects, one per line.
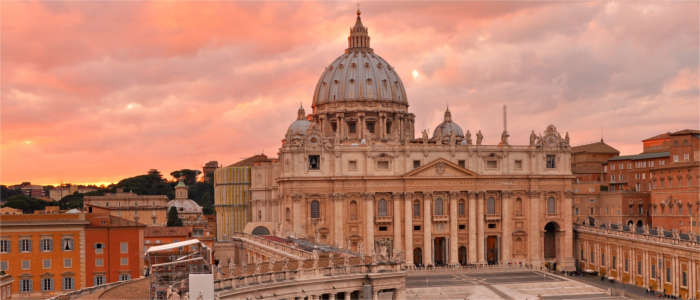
[
  {"x": 47, "y": 284},
  {"x": 518, "y": 164},
  {"x": 124, "y": 276},
  {"x": 614, "y": 262},
  {"x": 416, "y": 209},
  {"x": 124, "y": 247},
  {"x": 68, "y": 283},
  {"x": 352, "y": 127},
  {"x": 46, "y": 263},
  {"x": 99, "y": 280},
  {"x": 551, "y": 161},
  {"x": 416, "y": 227},
  {"x": 639, "y": 268},
  {"x": 25, "y": 245},
  {"x": 99, "y": 248},
  {"x": 462, "y": 226},
  {"x": 644, "y": 175},
  {"x": 629, "y": 165},
  {"x": 314, "y": 162},
  {"x": 675, "y": 158},
  {"x": 26, "y": 264},
  {"x": 370, "y": 126},
  {"x": 653, "y": 270},
  {"x": 68, "y": 263},
  {"x": 602, "y": 259},
  {"x": 491, "y": 164},
  {"x": 46, "y": 244},
  {"x": 124, "y": 261},
  {"x": 662, "y": 162},
  {"x": 67, "y": 244},
  {"x": 4, "y": 266},
  {"x": 583, "y": 257},
  {"x": 627, "y": 265},
  {"x": 592, "y": 257},
  {"x": 99, "y": 262},
  {"x": 461, "y": 163},
  {"x": 684, "y": 278},
  {"x": 383, "y": 164},
  {"x": 352, "y": 165},
  {"x": 668, "y": 274},
  {"x": 651, "y": 164},
  {"x": 25, "y": 285},
  {"x": 416, "y": 164},
  {"x": 4, "y": 246},
  {"x": 686, "y": 156}
]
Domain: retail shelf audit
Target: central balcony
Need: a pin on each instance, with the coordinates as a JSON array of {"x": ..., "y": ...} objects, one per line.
[
  {"x": 383, "y": 219},
  {"x": 443, "y": 218}
]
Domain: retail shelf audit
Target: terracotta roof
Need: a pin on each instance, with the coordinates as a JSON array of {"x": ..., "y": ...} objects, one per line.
[
  {"x": 582, "y": 169},
  {"x": 152, "y": 231},
  {"x": 598, "y": 147},
  {"x": 658, "y": 137},
  {"x": 686, "y": 131},
  {"x": 96, "y": 220},
  {"x": 248, "y": 162}
]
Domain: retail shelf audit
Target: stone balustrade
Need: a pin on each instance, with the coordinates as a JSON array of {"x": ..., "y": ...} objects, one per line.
[
  {"x": 645, "y": 234},
  {"x": 281, "y": 248}
]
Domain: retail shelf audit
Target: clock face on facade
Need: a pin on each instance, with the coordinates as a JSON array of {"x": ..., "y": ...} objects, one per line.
[
  {"x": 550, "y": 139},
  {"x": 313, "y": 140}
]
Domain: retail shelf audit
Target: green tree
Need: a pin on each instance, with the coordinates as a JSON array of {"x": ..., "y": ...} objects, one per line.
[
  {"x": 149, "y": 184},
  {"x": 6, "y": 193},
  {"x": 27, "y": 204},
  {"x": 190, "y": 176},
  {"x": 173, "y": 219},
  {"x": 75, "y": 200}
]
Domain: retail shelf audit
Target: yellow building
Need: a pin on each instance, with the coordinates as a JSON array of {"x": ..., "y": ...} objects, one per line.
[
  {"x": 150, "y": 210},
  {"x": 232, "y": 196},
  {"x": 44, "y": 253}
]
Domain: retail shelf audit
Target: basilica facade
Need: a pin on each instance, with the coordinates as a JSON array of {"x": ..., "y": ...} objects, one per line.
[{"x": 352, "y": 174}]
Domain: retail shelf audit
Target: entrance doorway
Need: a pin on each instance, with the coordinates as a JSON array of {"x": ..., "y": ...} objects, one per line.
[
  {"x": 418, "y": 257},
  {"x": 440, "y": 251},
  {"x": 492, "y": 250},
  {"x": 551, "y": 231},
  {"x": 463, "y": 256}
]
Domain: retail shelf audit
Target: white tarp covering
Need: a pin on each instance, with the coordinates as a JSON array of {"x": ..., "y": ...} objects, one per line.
[{"x": 172, "y": 246}]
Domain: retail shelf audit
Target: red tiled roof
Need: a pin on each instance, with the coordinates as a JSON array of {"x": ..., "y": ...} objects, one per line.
[
  {"x": 598, "y": 147},
  {"x": 658, "y": 137},
  {"x": 104, "y": 220},
  {"x": 686, "y": 131},
  {"x": 250, "y": 161}
]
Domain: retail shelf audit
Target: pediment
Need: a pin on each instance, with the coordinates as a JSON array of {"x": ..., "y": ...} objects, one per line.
[{"x": 440, "y": 168}]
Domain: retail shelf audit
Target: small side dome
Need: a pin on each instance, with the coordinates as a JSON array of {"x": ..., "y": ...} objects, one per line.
[
  {"x": 447, "y": 127},
  {"x": 300, "y": 125}
]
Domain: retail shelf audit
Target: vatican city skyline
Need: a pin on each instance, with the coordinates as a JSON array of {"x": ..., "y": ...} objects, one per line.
[{"x": 130, "y": 86}]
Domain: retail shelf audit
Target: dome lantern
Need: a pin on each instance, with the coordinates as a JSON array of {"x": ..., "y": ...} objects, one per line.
[{"x": 359, "y": 38}]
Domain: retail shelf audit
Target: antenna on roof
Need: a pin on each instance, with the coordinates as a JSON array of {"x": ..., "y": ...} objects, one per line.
[{"x": 601, "y": 134}]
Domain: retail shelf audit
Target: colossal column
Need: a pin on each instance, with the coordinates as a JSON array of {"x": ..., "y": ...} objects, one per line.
[
  {"x": 453, "y": 228},
  {"x": 369, "y": 221},
  {"x": 299, "y": 218},
  {"x": 408, "y": 236},
  {"x": 339, "y": 219},
  {"x": 397, "y": 222},
  {"x": 480, "y": 249},
  {"x": 472, "y": 198},
  {"x": 506, "y": 219},
  {"x": 567, "y": 257},
  {"x": 535, "y": 235},
  {"x": 427, "y": 229}
]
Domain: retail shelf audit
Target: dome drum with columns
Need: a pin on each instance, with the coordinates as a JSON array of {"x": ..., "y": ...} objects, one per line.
[{"x": 352, "y": 174}]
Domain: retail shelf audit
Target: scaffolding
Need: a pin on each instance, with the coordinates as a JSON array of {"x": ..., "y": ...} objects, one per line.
[{"x": 170, "y": 266}]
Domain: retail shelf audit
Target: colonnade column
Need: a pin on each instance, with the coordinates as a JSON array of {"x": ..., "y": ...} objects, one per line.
[
  {"x": 361, "y": 125},
  {"x": 427, "y": 230},
  {"x": 408, "y": 236},
  {"x": 339, "y": 219},
  {"x": 480, "y": 248},
  {"x": 471, "y": 198},
  {"x": 369, "y": 237},
  {"x": 396, "y": 203},
  {"x": 453, "y": 228},
  {"x": 506, "y": 220},
  {"x": 534, "y": 236}
]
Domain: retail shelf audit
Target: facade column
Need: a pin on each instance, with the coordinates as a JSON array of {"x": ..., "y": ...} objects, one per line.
[
  {"x": 299, "y": 219},
  {"x": 567, "y": 259},
  {"x": 331, "y": 296},
  {"x": 535, "y": 234},
  {"x": 506, "y": 220},
  {"x": 480, "y": 248},
  {"x": 347, "y": 295},
  {"x": 427, "y": 229},
  {"x": 408, "y": 236},
  {"x": 369, "y": 236},
  {"x": 339, "y": 219},
  {"x": 396, "y": 204},
  {"x": 471, "y": 199},
  {"x": 453, "y": 196},
  {"x": 361, "y": 125}
]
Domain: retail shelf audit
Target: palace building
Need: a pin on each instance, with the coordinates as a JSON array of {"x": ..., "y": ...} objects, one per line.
[{"x": 352, "y": 174}]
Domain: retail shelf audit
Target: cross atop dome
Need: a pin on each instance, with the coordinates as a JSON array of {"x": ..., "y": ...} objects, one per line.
[
  {"x": 301, "y": 114},
  {"x": 358, "y": 34}
]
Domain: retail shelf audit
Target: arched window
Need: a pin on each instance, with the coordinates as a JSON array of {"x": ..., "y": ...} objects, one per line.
[
  {"x": 518, "y": 207},
  {"x": 460, "y": 208},
  {"x": 416, "y": 208},
  {"x": 315, "y": 209},
  {"x": 381, "y": 208},
  {"x": 491, "y": 206},
  {"x": 551, "y": 206},
  {"x": 438, "y": 207},
  {"x": 353, "y": 210}
]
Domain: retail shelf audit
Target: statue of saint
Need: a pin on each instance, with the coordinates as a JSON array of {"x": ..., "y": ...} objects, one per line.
[
  {"x": 469, "y": 137},
  {"x": 504, "y": 138},
  {"x": 533, "y": 138},
  {"x": 425, "y": 136},
  {"x": 479, "y": 137}
]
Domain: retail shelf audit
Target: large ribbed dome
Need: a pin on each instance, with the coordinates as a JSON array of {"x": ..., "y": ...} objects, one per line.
[{"x": 359, "y": 74}]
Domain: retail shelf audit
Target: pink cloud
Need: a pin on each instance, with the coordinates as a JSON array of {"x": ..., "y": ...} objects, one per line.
[{"x": 105, "y": 90}]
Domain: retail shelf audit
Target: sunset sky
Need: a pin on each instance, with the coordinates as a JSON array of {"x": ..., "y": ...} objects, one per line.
[{"x": 95, "y": 91}]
